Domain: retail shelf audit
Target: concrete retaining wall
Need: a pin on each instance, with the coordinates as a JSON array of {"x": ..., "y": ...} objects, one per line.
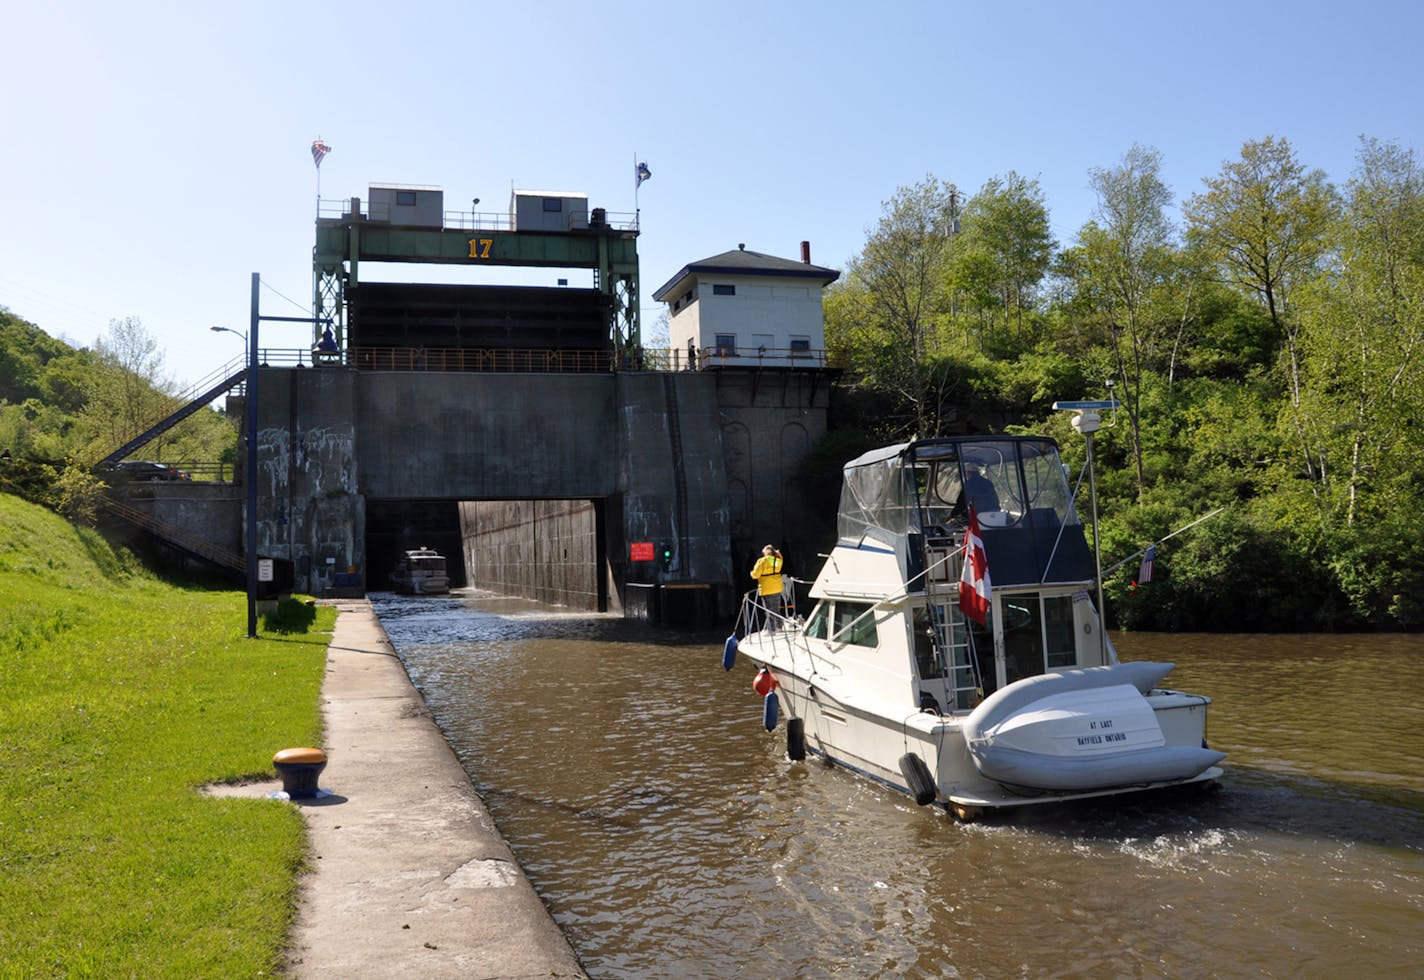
[
  {"x": 469, "y": 436},
  {"x": 698, "y": 461}
]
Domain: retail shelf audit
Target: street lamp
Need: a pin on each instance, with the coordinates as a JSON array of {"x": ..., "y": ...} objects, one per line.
[{"x": 237, "y": 333}]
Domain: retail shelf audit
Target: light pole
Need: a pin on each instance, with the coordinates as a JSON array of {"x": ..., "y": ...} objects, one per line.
[
  {"x": 1087, "y": 420},
  {"x": 235, "y": 333},
  {"x": 250, "y": 476}
]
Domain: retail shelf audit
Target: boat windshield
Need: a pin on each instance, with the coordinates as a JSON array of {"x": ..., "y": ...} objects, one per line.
[{"x": 907, "y": 488}]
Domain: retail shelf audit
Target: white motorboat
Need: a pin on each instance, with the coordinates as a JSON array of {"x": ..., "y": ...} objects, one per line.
[
  {"x": 889, "y": 677},
  {"x": 420, "y": 571}
]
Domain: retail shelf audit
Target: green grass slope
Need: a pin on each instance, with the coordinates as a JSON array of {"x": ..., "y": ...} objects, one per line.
[{"x": 120, "y": 695}]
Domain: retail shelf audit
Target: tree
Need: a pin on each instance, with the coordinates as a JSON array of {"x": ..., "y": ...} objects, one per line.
[
  {"x": 1263, "y": 221},
  {"x": 1362, "y": 329},
  {"x": 1126, "y": 262},
  {"x": 885, "y": 311},
  {"x": 128, "y": 392},
  {"x": 1006, "y": 248}
]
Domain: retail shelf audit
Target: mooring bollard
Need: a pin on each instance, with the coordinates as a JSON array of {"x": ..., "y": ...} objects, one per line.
[{"x": 299, "y": 769}]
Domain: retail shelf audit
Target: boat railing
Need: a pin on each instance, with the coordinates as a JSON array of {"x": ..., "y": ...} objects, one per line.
[{"x": 760, "y": 613}]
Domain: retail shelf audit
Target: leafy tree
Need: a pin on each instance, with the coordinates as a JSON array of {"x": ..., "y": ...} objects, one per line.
[
  {"x": 1263, "y": 221},
  {"x": 1005, "y": 250},
  {"x": 885, "y": 312},
  {"x": 1127, "y": 262},
  {"x": 1362, "y": 340},
  {"x": 127, "y": 392},
  {"x": 78, "y": 494},
  {"x": 25, "y": 350}
]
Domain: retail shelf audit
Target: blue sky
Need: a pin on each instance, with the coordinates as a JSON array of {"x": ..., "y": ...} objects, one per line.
[{"x": 157, "y": 154}]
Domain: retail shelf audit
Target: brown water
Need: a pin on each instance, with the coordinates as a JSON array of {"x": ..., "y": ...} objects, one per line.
[{"x": 670, "y": 837}]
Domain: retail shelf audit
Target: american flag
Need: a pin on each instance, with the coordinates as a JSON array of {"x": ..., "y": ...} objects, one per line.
[
  {"x": 1144, "y": 570},
  {"x": 319, "y": 150}
]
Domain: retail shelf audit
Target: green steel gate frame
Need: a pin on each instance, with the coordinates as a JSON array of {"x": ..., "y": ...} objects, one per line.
[{"x": 342, "y": 244}]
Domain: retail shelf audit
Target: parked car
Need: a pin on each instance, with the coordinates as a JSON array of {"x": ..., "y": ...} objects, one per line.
[{"x": 146, "y": 470}]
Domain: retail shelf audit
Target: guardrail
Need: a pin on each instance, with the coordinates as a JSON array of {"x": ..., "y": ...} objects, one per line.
[
  {"x": 487, "y": 359},
  {"x": 340, "y": 209},
  {"x": 546, "y": 360}
]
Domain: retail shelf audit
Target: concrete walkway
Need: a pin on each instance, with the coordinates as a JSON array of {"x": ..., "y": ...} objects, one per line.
[{"x": 410, "y": 877}]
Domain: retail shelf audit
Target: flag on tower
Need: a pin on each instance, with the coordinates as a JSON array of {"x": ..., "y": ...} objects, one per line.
[
  {"x": 641, "y": 173},
  {"x": 974, "y": 588},
  {"x": 319, "y": 150}
]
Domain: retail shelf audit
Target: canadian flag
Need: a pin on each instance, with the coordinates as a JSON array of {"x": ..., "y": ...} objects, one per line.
[{"x": 974, "y": 585}]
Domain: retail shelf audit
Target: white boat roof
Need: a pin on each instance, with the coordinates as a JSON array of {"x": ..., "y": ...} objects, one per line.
[{"x": 877, "y": 455}]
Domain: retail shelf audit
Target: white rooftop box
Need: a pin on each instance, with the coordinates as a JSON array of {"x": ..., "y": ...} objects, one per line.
[
  {"x": 407, "y": 204},
  {"x": 547, "y": 210}
]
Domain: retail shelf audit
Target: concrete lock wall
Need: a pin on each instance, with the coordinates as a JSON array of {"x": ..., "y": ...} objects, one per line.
[
  {"x": 769, "y": 424},
  {"x": 471, "y": 436},
  {"x": 309, "y": 506},
  {"x": 697, "y": 462},
  {"x": 674, "y": 483}
]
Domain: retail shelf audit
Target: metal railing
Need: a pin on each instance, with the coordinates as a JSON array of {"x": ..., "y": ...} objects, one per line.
[
  {"x": 704, "y": 358},
  {"x": 537, "y": 360},
  {"x": 340, "y": 209},
  {"x": 487, "y": 359},
  {"x": 176, "y": 407},
  {"x": 176, "y": 536}
]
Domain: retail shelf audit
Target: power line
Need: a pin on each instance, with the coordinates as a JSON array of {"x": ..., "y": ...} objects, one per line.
[{"x": 301, "y": 306}]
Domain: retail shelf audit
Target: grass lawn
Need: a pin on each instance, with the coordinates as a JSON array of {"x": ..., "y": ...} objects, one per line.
[{"x": 120, "y": 696}]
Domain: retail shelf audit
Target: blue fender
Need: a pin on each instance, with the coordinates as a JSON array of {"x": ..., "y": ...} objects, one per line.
[
  {"x": 768, "y": 711},
  {"x": 729, "y": 652}
]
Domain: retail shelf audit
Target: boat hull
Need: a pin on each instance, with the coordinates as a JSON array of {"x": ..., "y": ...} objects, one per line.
[{"x": 871, "y": 740}]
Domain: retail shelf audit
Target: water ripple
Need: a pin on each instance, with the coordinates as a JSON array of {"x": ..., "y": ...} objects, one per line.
[{"x": 669, "y": 835}]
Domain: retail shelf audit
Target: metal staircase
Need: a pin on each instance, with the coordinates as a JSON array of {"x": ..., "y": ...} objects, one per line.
[
  {"x": 231, "y": 378},
  {"x": 176, "y": 537}
]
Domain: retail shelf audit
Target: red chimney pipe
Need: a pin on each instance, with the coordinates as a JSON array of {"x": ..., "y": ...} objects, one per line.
[{"x": 806, "y": 252}]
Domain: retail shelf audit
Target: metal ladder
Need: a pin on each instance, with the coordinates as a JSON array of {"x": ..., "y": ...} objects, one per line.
[{"x": 949, "y": 629}]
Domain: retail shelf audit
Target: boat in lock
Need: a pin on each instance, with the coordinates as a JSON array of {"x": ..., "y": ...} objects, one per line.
[
  {"x": 954, "y": 651},
  {"x": 420, "y": 571}
]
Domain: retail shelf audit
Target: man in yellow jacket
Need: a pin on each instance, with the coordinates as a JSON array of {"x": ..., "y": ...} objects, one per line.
[{"x": 767, "y": 574}]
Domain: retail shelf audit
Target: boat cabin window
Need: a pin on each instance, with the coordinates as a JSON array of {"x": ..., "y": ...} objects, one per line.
[
  {"x": 1044, "y": 483},
  {"x": 854, "y": 624},
  {"x": 816, "y": 625},
  {"x": 950, "y": 479},
  {"x": 990, "y": 484}
]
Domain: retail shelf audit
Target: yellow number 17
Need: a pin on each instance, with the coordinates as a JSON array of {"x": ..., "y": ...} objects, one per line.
[{"x": 479, "y": 247}]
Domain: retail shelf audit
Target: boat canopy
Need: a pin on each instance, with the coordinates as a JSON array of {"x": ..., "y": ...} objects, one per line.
[{"x": 1016, "y": 485}]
